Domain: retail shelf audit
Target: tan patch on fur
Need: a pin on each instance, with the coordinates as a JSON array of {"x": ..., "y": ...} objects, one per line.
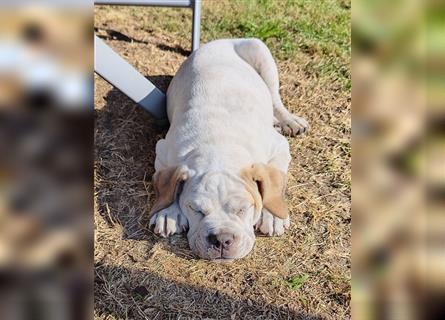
[
  {"x": 166, "y": 184},
  {"x": 267, "y": 185}
]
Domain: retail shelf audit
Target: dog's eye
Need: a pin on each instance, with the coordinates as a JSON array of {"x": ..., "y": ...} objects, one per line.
[
  {"x": 242, "y": 211},
  {"x": 197, "y": 210}
]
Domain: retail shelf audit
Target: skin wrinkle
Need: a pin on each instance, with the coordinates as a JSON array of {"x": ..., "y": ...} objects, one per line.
[
  {"x": 218, "y": 186},
  {"x": 210, "y": 192}
]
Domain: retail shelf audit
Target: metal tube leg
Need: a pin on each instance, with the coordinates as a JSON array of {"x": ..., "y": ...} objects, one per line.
[
  {"x": 196, "y": 23},
  {"x": 110, "y": 66},
  {"x": 154, "y": 3}
]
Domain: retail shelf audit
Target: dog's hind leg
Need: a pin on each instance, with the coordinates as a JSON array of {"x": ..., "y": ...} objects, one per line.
[{"x": 256, "y": 53}]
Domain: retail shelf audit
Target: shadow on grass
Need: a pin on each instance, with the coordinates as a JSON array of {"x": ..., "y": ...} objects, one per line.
[
  {"x": 109, "y": 34},
  {"x": 176, "y": 49},
  {"x": 138, "y": 294},
  {"x": 116, "y": 35},
  {"x": 125, "y": 141}
]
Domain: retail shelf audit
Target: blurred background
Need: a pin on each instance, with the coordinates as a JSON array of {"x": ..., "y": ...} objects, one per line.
[
  {"x": 398, "y": 160},
  {"x": 46, "y": 139}
]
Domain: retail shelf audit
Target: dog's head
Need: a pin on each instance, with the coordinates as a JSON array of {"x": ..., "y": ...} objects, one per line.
[{"x": 222, "y": 207}]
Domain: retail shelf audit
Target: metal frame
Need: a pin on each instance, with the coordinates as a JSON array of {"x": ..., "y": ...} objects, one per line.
[{"x": 110, "y": 66}]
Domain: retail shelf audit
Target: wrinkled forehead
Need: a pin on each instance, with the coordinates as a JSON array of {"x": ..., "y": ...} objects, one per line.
[{"x": 218, "y": 190}]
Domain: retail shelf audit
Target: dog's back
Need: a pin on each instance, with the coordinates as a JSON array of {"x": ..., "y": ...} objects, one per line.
[{"x": 218, "y": 99}]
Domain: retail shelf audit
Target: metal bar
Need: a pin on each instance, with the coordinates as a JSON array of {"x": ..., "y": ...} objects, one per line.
[
  {"x": 110, "y": 66},
  {"x": 195, "y": 5},
  {"x": 196, "y": 24},
  {"x": 154, "y": 3}
]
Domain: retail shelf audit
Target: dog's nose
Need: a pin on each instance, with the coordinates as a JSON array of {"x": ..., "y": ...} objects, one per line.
[{"x": 224, "y": 240}]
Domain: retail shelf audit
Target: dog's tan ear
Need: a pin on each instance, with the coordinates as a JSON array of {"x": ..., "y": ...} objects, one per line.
[
  {"x": 166, "y": 183},
  {"x": 267, "y": 186}
]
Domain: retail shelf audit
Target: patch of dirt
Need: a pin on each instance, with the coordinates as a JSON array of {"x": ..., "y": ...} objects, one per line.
[{"x": 141, "y": 276}]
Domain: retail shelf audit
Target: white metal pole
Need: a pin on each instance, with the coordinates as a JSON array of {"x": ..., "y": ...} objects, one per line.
[
  {"x": 196, "y": 24},
  {"x": 110, "y": 66}
]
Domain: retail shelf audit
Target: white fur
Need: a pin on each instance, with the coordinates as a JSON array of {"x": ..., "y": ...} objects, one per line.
[{"x": 222, "y": 105}]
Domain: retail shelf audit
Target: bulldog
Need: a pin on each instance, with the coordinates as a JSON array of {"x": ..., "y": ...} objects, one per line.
[{"x": 220, "y": 172}]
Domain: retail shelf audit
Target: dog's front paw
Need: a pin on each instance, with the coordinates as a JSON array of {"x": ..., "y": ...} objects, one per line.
[
  {"x": 168, "y": 222},
  {"x": 291, "y": 125},
  {"x": 271, "y": 225}
]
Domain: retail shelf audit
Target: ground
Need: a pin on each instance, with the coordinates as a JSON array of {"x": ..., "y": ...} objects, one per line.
[{"x": 304, "y": 274}]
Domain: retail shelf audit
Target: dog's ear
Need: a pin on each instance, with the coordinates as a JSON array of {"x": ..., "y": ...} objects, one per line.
[
  {"x": 267, "y": 186},
  {"x": 166, "y": 183}
]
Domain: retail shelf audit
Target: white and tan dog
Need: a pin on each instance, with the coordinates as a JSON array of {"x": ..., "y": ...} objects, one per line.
[{"x": 221, "y": 169}]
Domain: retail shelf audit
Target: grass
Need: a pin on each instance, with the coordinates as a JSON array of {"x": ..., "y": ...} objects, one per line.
[
  {"x": 296, "y": 282},
  {"x": 292, "y": 29},
  {"x": 141, "y": 276}
]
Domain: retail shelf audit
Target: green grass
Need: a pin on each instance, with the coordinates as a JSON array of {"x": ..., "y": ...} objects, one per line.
[
  {"x": 297, "y": 282},
  {"x": 313, "y": 33}
]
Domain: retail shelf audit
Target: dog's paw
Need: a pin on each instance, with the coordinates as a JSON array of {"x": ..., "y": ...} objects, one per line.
[
  {"x": 271, "y": 225},
  {"x": 291, "y": 125},
  {"x": 168, "y": 222}
]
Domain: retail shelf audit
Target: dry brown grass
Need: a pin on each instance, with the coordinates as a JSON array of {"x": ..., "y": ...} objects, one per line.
[{"x": 142, "y": 276}]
